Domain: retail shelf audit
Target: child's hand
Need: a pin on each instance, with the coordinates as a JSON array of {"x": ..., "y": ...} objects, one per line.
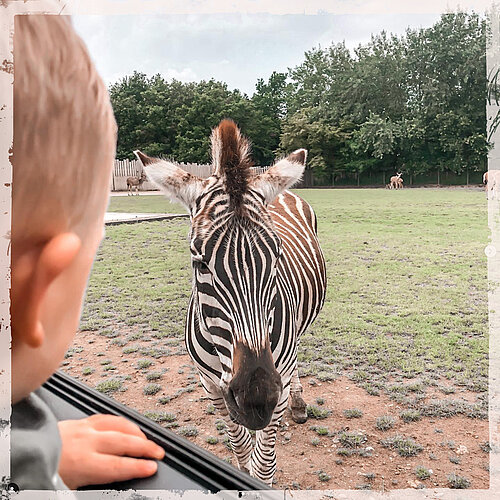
[{"x": 98, "y": 450}]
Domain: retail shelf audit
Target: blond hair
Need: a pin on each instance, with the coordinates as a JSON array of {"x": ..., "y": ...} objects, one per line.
[{"x": 64, "y": 131}]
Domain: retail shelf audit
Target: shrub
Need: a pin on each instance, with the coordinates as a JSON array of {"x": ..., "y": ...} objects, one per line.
[
  {"x": 227, "y": 443},
  {"x": 323, "y": 476},
  {"x": 485, "y": 447},
  {"x": 129, "y": 350},
  {"x": 212, "y": 440},
  {"x": 221, "y": 426},
  {"x": 410, "y": 415},
  {"x": 458, "y": 482},
  {"x": 352, "y": 439},
  {"x": 142, "y": 364},
  {"x": 151, "y": 389},
  {"x": 188, "y": 431},
  {"x": 406, "y": 447},
  {"x": 161, "y": 417},
  {"x": 353, "y": 413},
  {"x": 110, "y": 386},
  {"x": 321, "y": 431},
  {"x": 317, "y": 412},
  {"x": 384, "y": 423},
  {"x": 422, "y": 472}
]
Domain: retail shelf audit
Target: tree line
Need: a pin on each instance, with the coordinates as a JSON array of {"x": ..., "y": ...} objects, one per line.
[{"x": 413, "y": 103}]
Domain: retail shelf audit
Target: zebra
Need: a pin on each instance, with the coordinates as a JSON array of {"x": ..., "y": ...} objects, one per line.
[{"x": 259, "y": 281}]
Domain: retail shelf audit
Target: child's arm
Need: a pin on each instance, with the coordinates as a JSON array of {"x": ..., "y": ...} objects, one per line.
[{"x": 103, "y": 449}]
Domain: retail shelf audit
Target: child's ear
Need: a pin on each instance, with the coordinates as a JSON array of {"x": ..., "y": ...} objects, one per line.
[{"x": 33, "y": 271}]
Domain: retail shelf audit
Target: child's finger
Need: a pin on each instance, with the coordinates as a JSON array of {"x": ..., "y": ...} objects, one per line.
[
  {"x": 114, "y": 423},
  {"x": 110, "y": 468},
  {"x": 117, "y": 443}
]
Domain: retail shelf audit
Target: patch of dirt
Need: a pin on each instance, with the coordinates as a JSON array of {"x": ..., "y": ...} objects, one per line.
[{"x": 449, "y": 444}]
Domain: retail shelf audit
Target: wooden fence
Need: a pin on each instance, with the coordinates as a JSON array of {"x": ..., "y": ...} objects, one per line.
[{"x": 128, "y": 168}]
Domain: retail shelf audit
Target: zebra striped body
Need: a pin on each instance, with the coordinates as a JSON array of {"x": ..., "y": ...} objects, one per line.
[
  {"x": 301, "y": 285},
  {"x": 258, "y": 282}
]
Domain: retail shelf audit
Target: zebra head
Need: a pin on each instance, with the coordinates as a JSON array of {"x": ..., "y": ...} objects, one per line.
[{"x": 235, "y": 254}]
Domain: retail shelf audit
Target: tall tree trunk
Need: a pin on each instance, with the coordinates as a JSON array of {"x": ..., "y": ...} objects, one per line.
[
  {"x": 357, "y": 176},
  {"x": 383, "y": 177},
  {"x": 438, "y": 179},
  {"x": 467, "y": 176}
]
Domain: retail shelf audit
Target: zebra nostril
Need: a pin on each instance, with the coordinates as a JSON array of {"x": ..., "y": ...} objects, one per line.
[{"x": 233, "y": 397}]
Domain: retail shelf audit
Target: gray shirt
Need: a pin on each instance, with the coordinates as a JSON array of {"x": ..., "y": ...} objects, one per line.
[{"x": 35, "y": 446}]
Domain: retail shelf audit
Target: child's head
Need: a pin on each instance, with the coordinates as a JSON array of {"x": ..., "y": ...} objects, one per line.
[{"x": 64, "y": 146}]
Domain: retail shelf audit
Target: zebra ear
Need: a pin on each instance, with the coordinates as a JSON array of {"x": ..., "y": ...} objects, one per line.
[
  {"x": 176, "y": 183},
  {"x": 281, "y": 176}
]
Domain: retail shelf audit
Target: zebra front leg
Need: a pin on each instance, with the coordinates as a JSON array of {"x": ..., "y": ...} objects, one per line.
[
  {"x": 298, "y": 406},
  {"x": 240, "y": 438},
  {"x": 241, "y": 441},
  {"x": 263, "y": 464}
]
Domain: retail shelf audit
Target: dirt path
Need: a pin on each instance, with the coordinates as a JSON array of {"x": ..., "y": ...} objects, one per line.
[{"x": 314, "y": 455}]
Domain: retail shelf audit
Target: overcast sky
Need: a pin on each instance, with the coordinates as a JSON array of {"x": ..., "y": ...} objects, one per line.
[{"x": 234, "y": 48}]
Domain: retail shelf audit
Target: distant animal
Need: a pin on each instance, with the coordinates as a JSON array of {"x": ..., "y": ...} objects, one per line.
[
  {"x": 259, "y": 282},
  {"x": 396, "y": 181},
  {"x": 491, "y": 181},
  {"x": 388, "y": 186},
  {"x": 135, "y": 182}
]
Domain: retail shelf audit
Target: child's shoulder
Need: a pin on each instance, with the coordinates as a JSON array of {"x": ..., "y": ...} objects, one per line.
[{"x": 35, "y": 445}]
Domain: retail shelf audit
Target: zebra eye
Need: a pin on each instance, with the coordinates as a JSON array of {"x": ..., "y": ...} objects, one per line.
[
  {"x": 197, "y": 258},
  {"x": 199, "y": 263}
]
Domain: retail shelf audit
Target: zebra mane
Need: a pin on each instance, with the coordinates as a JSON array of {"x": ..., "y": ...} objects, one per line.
[{"x": 232, "y": 162}]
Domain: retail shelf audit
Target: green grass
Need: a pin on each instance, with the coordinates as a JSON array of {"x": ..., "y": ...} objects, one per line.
[
  {"x": 407, "y": 286},
  {"x": 144, "y": 204}
]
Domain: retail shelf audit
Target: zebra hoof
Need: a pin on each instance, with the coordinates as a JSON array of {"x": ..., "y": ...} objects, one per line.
[{"x": 299, "y": 415}]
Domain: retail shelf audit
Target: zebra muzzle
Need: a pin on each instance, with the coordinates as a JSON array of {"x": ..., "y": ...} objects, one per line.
[{"x": 254, "y": 390}]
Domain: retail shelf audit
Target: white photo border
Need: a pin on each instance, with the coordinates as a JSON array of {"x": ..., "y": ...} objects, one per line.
[{"x": 9, "y": 8}]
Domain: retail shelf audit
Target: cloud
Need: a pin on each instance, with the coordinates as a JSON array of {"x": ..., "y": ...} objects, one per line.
[
  {"x": 184, "y": 75},
  {"x": 235, "y": 48}
]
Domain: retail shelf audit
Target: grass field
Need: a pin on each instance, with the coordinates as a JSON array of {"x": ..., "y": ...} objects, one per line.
[
  {"x": 144, "y": 204},
  {"x": 406, "y": 308}
]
